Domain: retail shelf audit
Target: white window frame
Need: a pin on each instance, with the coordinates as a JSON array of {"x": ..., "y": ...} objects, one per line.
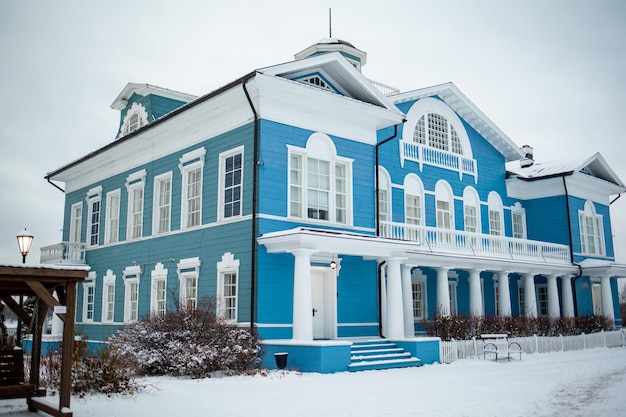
[
  {"x": 221, "y": 204},
  {"x": 188, "y": 268},
  {"x": 134, "y": 183},
  {"x": 228, "y": 265},
  {"x": 94, "y": 218},
  {"x": 319, "y": 147},
  {"x": 496, "y": 296},
  {"x": 158, "y": 204},
  {"x": 591, "y": 241},
  {"x": 471, "y": 200},
  {"x": 542, "y": 305},
  {"x": 453, "y": 282},
  {"x": 496, "y": 214},
  {"x": 518, "y": 212},
  {"x": 89, "y": 298},
  {"x": 158, "y": 296},
  {"x": 443, "y": 193},
  {"x": 112, "y": 220},
  {"x": 521, "y": 296},
  {"x": 417, "y": 277},
  {"x": 128, "y": 124},
  {"x": 131, "y": 276},
  {"x": 189, "y": 162},
  {"x": 76, "y": 222},
  {"x": 108, "y": 306}
]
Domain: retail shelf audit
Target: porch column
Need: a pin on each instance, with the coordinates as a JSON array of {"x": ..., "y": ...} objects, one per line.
[
  {"x": 407, "y": 301},
  {"x": 504, "y": 301},
  {"x": 383, "y": 300},
  {"x": 395, "y": 314},
  {"x": 567, "y": 296},
  {"x": 553, "y": 297},
  {"x": 475, "y": 293},
  {"x": 530, "y": 297},
  {"x": 607, "y": 298},
  {"x": 443, "y": 292},
  {"x": 302, "y": 295}
]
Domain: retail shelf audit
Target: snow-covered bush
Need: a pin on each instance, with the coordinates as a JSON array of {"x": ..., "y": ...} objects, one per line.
[{"x": 190, "y": 342}]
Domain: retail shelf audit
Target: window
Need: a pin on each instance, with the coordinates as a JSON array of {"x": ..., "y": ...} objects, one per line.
[
  {"x": 188, "y": 272},
  {"x": 418, "y": 286},
  {"x": 317, "y": 81},
  {"x": 413, "y": 197},
  {"x": 435, "y": 130},
  {"x": 496, "y": 293},
  {"x": 227, "y": 287},
  {"x": 191, "y": 168},
  {"x": 444, "y": 205},
  {"x": 108, "y": 297},
  {"x": 452, "y": 290},
  {"x": 162, "y": 210},
  {"x": 231, "y": 180},
  {"x": 521, "y": 297},
  {"x": 518, "y": 215},
  {"x": 542, "y": 300},
  {"x": 135, "y": 118},
  {"x": 471, "y": 205},
  {"x": 319, "y": 182},
  {"x": 591, "y": 231},
  {"x": 112, "y": 225},
  {"x": 158, "y": 293},
  {"x": 135, "y": 187},
  {"x": 76, "y": 220},
  {"x": 131, "y": 277},
  {"x": 89, "y": 292},
  {"x": 495, "y": 214},
  {"x": 384, "y": 191},
  {"x": 93, "y": 204}
]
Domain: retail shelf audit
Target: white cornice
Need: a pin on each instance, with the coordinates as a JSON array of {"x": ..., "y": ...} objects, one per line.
[{"x": 143, "y": 90}]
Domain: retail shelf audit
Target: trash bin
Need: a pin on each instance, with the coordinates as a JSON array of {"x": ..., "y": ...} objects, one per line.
[{"x": 281, "y": 359}]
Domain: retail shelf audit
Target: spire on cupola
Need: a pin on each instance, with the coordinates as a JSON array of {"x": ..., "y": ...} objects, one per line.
[{"x": 356, "y": 57}]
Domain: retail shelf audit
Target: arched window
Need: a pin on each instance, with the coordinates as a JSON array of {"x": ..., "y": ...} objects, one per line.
[
  {"x": 384, "y": 195},
  {"x": 435, "y": 130},
  {"x": 495, "y": 214},
  {"x": 471, "y": 210},
  {"x": 136, "y": 117},
  {"x": 591, "y": 230},
  {"x": 413, "y": 200},
  {"x": 444, "y": 205}
]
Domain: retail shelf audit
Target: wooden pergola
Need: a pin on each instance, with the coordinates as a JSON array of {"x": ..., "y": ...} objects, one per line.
[{"x": 41, "y": 282}]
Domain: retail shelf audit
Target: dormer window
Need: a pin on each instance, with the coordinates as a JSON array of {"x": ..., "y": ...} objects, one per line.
[{"x": 136, "y": 117}]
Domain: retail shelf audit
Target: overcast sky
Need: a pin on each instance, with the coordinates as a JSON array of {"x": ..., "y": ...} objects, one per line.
[{"x": 551, "y": 74}]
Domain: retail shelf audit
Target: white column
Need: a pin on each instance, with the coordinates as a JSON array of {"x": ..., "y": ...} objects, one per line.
[
  {"x": 475, "y": 293},
  {"x": 567, "y": 296},
  {"x": 504, "y": 302},
  {"x": 530, "y": 297},
  {"x": 395, "y": 314},
  {"x": 607, "y": 298},
  {"x": 554, "y": 310},
  {"x": 302, "y": 295},
  {"x": 407, "y": 302},
  {"x": 383, "y": 300},
  {"x": 443, "y": 292}
]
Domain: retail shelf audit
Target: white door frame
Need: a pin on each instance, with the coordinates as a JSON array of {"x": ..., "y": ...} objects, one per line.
[{"x": 327, "y": 278}]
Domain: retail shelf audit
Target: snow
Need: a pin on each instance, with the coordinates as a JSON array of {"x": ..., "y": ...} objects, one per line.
[{"x": 578, "y": 383}]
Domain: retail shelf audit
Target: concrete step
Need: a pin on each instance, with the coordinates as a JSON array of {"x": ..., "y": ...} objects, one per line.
[{"x": 383, "y": 364}]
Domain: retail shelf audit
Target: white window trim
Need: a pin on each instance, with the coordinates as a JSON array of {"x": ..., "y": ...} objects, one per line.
[
  {"x": 93, "y": 195},
  {"x": 453, "y": 283},
  {"x": 134, "y": 181},
  {"x": 320, "y": 146},
  {"x": 222, "y": 179},
  {"x": 598, "y": 235},
  {"x": 413, "y": 186},
  {"x": 76, "y": 227},
  {"x": 140, "y": 111},
  {"x": 521, "y": 293},
  {"x": 90, "y": 283},
  {"x": 185, "y": 268},
  {"x": 227, "y": 265},
  {"x": 188, "y": 162},
  {"x": 547, "y": 302},
  {"x": 441, "y": 187},
  {"x": 494, "y": 204},
  {"x": 158, "y": 274},
  {"x": 471, "y": 199},
  {"x": 517, "y": 209},
  {"x": 108, "y": 280},
  {"x": 107, "y": 221},
  {"x": 131, "y": 274},
  {"x": 418, "y": 277},
  {"x": 156, "y": 220}
]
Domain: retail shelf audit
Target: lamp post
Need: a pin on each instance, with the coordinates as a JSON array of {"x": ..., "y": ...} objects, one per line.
[{"x": 24, "y": 241}]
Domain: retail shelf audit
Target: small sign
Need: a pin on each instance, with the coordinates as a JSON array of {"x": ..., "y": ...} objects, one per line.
[{"x": 60, "y": 309}]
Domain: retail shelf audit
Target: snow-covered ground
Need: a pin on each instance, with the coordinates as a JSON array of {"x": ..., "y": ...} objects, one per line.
[{"x": 581, "y": 383}]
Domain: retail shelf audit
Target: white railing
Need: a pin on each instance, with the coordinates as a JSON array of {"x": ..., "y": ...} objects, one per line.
[
  {"x": 385, "y": 89},
  {"x": 453, "y": 350},
  {"x": 63, "y": 253},
  {"x": 433, "y": 239},
  {"x": 430, "y": 156}
]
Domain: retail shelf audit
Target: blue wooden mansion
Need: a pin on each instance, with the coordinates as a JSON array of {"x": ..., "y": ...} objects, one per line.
[{"x": 324, "y": 209}]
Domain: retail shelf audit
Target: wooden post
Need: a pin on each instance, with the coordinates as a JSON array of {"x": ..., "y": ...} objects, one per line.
[{"x": 68, "y": 346}]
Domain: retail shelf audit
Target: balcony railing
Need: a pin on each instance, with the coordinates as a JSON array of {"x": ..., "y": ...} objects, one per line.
[
  {"x": 439, "y": 240},
  {"x": 436, "y": 157},
  {"x": 63, "y": 253}
]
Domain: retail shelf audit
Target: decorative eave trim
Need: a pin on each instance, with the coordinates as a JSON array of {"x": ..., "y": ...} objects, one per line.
[{"x": 121, "y": 101}]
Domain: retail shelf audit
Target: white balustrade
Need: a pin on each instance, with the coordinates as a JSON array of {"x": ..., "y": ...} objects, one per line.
[{"x": 63, "y": 253}]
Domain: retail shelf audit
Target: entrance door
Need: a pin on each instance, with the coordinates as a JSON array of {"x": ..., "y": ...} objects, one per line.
[
  {"x": 596, "y": 292},
  {"x": 323, "y": 292}
]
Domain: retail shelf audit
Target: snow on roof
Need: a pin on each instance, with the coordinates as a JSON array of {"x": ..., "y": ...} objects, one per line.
[{"x": 48, "y": 266}]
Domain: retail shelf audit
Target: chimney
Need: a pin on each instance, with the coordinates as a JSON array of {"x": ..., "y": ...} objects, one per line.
[{"x": 528, "y": 157}]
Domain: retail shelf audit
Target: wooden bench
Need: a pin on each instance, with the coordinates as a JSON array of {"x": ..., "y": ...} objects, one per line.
[
  {"x": 497, "y": 344},
  {"x": 12, "y": 376}
]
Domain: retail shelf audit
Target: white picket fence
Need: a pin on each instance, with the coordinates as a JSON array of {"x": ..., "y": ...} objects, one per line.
[{"x": 465, "y": 349}]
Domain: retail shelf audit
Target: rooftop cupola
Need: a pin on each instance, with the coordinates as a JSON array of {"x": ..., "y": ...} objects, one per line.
[{"x": 356, "y": 57}]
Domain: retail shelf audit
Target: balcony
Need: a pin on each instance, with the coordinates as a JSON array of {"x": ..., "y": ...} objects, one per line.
[
  {"x": 430, "y": 156},
  {"x": 445, "y": 241},
  {"x": 72, "y": 253}
]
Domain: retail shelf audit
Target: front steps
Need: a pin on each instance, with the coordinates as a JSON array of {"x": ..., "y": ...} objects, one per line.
[{"x": 379, "y": 354}]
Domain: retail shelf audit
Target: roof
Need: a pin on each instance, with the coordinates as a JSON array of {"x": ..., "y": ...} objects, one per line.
[
  {"x": 600, "y": 267},
  {"x": 19, "y": 279},
  {"x": 454, "y": 98},
  {"x": 333, "y": 44},
  {"x": 143, "y": 90},
  {"x": 594, "y": 165}
]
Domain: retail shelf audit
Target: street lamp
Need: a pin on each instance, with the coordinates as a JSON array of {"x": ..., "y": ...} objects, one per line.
[{"x": 24, "y": 240}]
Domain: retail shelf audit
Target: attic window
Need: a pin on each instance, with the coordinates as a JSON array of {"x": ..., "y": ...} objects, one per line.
[
  {"x": 136, "y": 117},
  {"x": 317, "y": 81},
  {"x": 439, "y": 134}
]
